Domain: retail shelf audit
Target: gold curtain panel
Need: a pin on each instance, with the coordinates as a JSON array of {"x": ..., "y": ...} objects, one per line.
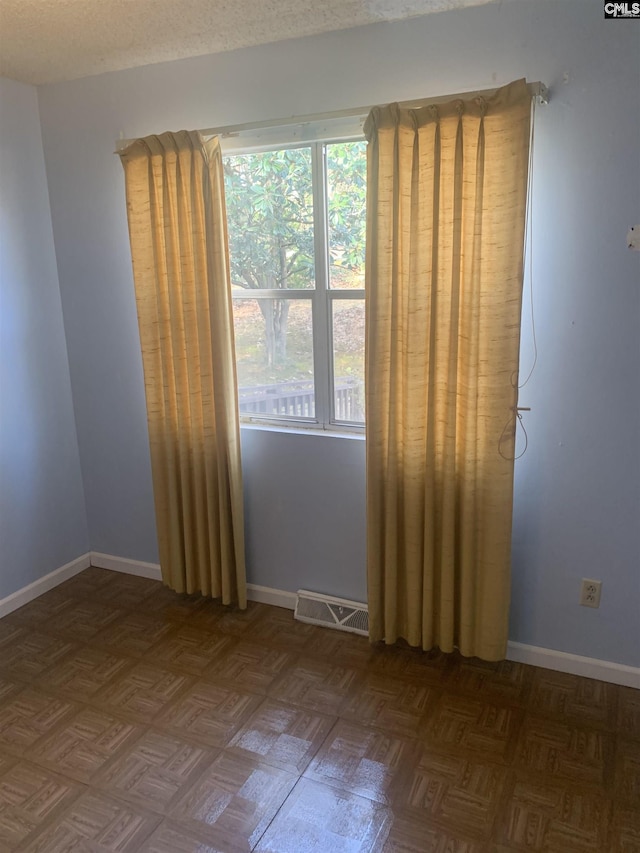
[
  {"x": 177, "y": 228},
  {"x": 447, "y": 189}
]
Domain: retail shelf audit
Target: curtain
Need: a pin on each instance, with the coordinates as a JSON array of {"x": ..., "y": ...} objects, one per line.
[
  {"x": 445, "y": 233},
  {"x": 177, "y": 229}
]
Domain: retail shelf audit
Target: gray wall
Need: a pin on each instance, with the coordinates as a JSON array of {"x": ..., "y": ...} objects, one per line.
[
  {"x": 42, "y": 515},
  {"x": 577, "y": 496},
  {"x": 305, "y": 512}
]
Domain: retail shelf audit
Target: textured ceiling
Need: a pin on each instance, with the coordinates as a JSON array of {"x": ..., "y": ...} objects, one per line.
[{"x": 45, "y": 41}]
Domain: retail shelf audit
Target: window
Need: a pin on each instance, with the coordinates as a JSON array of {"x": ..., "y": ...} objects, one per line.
[{"x": 296, "y": 220}]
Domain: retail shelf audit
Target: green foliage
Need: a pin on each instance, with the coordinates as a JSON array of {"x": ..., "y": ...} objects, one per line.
[
  {"x": 270, "y": 214},
  {"x": 270, "y": 218},
  {"x": 346, "y": 205}
]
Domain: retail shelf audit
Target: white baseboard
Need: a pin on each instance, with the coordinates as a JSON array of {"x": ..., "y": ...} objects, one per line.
[
  {"x": 37, "y": 588},
  {"x": 268, "y": 595},
  {"x": 603, "y": 670},
  {"x": 263, "y": 594},
  {"x": 127, "y": 567}
]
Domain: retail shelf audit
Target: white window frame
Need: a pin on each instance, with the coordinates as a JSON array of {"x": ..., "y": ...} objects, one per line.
[{"x": 316, "y": 136}]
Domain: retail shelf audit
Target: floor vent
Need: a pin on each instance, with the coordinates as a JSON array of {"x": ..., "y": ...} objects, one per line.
[{"x": 331, "y": 612}]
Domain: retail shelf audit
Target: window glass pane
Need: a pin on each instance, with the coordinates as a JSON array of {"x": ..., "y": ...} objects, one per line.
[
  {"x": 270, "y": 219},
  {"x": 346, "y": 202},
  {"x": 348, "y": 359},
  {"x": 274, "y": 357}
]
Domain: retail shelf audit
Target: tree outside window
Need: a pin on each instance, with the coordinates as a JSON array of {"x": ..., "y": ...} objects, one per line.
[{"x": 296, "y": 222}]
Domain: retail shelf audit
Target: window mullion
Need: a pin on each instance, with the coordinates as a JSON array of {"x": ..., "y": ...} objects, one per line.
[
  {"x": 321, "y": 327},
  {"x": 271, "y": 293}
]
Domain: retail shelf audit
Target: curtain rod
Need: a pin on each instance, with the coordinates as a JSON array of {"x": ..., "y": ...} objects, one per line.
[{"x": 537, "y": 90}]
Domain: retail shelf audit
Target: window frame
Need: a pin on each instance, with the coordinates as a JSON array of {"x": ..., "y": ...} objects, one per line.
[{"x": 322, "y": 296}]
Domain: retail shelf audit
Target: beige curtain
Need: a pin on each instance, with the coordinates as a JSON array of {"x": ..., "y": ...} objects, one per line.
[
  {"x": 177, "y": 228},
  {"x": 446, "y": 194}
]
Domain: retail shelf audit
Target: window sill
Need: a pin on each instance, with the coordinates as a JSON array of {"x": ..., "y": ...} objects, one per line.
[{"x": 300, "y": 430}]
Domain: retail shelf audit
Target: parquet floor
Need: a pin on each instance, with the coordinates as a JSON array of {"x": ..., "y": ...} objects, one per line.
[{"x": 133, "y": 719}]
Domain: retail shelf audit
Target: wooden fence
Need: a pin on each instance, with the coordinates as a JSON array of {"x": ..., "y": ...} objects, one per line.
[{"x": 297, "y": 400}]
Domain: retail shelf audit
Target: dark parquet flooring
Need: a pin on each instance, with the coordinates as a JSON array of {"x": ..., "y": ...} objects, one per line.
[{"x": 134, "y": 719}]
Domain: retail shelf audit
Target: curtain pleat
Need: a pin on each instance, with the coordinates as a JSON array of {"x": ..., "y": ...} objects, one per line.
[
  {"x": 445, "y": 232},
  {"x": 177, "y": 229}
]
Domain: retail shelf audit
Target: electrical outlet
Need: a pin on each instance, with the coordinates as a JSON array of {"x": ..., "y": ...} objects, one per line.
[{"x": 590, "y": 593}]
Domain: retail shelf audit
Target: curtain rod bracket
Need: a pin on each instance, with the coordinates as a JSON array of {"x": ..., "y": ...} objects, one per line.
[{"x": 542, "y": 94}]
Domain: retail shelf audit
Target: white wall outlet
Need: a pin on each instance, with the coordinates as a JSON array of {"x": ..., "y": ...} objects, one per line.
[{"x": 590, "y": 593}]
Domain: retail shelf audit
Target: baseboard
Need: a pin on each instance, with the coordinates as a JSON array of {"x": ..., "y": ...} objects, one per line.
[
  {"x": 267, "y": 595},
  {"x": 263, "y": 594},
  {"x": 127, "y": 567},
  {"x": 602, "y": 670},
  {"x": 44, "y": 584}
]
